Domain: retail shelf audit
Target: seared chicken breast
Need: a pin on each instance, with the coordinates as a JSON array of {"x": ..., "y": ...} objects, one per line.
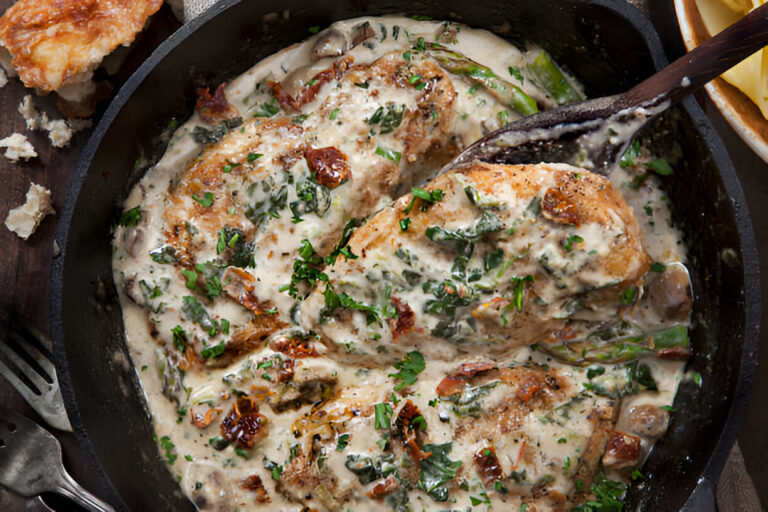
[{"x": 483, "y": 260}]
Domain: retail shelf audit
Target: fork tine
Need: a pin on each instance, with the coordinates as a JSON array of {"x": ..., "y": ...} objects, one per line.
[
  {"x": 32, "y": 351},
  {"x": 25, "y": 371}
]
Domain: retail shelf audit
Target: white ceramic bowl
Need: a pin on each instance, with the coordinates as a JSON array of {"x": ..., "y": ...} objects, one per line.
[{"x": 740, "y": 112}]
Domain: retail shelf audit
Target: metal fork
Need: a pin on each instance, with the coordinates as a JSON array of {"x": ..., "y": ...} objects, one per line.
[
  {"x": 26, "y": 362},
  {"x": 30, "y": 463}
]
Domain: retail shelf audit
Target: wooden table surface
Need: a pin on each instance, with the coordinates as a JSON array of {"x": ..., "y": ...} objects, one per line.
[{"x": 25, "y": 266}]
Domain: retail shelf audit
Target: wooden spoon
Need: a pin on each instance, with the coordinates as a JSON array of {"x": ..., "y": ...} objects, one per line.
[{"x": 593, "y": 133}]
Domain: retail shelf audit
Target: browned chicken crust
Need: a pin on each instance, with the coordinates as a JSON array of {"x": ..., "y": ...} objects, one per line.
[{"x": 56, "y": 42}]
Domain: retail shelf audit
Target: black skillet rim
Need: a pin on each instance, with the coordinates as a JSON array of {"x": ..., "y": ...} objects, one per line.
[{"x": 748, "y": 364}]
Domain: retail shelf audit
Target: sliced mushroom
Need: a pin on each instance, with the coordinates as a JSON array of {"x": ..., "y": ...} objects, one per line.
[
  {"x": 648, "y": 420},
  {"x": 331, "y": 43}
]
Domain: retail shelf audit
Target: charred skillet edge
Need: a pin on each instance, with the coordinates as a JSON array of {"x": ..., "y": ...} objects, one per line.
[
  {"x": 62, "y": 237},
  {"x": 652, "y": 42},
  {"x": 752, "y": 294}
]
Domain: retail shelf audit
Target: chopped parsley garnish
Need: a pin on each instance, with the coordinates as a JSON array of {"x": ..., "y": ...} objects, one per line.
[
  {"x": 131, "y": 217},
  {"x": 253, "y": 156},
  {"x": 275, "y": 469},
  {"x": 215, "y": 350},
  {"x": 314, "y": 29},
  {"x": 421, "y": 45},
  {"x": 334, "y": 301},
  {"x": 631, "y": 158},
  {"x": 267, "y": 109},
  {"x": 170, "y": 449},
  {"x": 388, "y": 117},
  {"x": 231, "y": 165},
  {"x": 342, "y": 442},
  {"x": 382, "y": 415},
  {"x": 389, "y": 154},
  {"x": 668, "y": 408},
  {"x": 517, "y": 293},
  {"x": 342, "y": 246},
  {"x": 404, "y": 223},
  {"x": 306, "y": 269},
  {"x": 608, "y": 494},
  {"x": 179, "y": 338},
  {"x": 334, "y": 113},
  {"x": 409, "y": 368},
  {"x": 299, "y": 119},
  {"x": 407, "y": 56},
  {"x": 362, "y": 85},
  {"x": 658, "y": 267},
  {"x": 697, "y": 378},
  {"x": 428, "y": 197},
  {"x": 570, "y": 241},
  {"x": 515, "y": 72},
  {"x": 206, "y": 200},
  {"x": 629, "y": 295}
]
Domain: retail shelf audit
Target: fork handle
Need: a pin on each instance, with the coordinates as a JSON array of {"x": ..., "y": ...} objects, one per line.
[{"x": 68, "y": 487}]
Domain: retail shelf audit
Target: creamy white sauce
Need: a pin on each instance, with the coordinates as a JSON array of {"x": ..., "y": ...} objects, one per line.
[{"x": 212, "y": 476}]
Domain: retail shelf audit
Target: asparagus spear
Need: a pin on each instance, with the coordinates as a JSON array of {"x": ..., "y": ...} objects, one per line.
[
  {"x": 459, "y": 64},
  {"x": 669, "y": 342},
  {"x": 548, "y": 75}
]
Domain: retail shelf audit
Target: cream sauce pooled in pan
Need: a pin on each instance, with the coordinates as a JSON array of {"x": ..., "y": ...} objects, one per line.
[{"x": 507, "y": 336}]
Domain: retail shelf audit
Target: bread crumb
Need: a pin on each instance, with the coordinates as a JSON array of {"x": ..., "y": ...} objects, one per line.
[
  {"x": 23, "y": 220},
  {"x": 17, "y": 147},
  {"x": 29, "y": 113},
  {"x": 3, "y": 78},
  {"x": 60, "y": 132}
]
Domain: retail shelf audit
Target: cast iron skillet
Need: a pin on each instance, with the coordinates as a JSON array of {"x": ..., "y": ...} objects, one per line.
[{"x": 608, "y": 45}]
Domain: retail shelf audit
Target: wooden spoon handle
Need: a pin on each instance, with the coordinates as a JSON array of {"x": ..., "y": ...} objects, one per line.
[{"x": 705, "y": 62}]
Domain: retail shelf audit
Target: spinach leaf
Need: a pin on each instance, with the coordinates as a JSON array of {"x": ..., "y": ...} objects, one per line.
[
  {"x": 437, "y": 470},
  {"x": 369, "y": 469},
  {"x": 196, "y": 312}
]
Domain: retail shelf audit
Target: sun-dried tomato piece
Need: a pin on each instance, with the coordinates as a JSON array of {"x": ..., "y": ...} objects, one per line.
[
  {"x": 239, "y": 286},
  {"x": 405, "y": 320},
  {"x": 558, "y": 207},
  {"x": 383, "y": 488},
  {"x": 458, "y": 380},
  {"x": 528, "y": 386},
  {"x": 471, "y": 369},
  {"x": 623, "y": 450},
  {"x": 216, "y": 108},
  {"x": 244, "y": 424},
  {"x": 328, "y": 166},
  {"x": 254, "y": 484},
  {"x": 488, "y": 467},
  {"x": 296, "y": 347},
  {"x": 285, "y": 373},
  {"x": 404, "y": 420},
  {"x": 312, "y": 87},
  {"x": 450, "y": 386}
]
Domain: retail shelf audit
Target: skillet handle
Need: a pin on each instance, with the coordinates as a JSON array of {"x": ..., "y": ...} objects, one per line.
[{"x": 705, "y": 62}]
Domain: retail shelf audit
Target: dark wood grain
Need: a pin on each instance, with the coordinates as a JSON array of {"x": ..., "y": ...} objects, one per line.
[{"x": 25, "y": 265}]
